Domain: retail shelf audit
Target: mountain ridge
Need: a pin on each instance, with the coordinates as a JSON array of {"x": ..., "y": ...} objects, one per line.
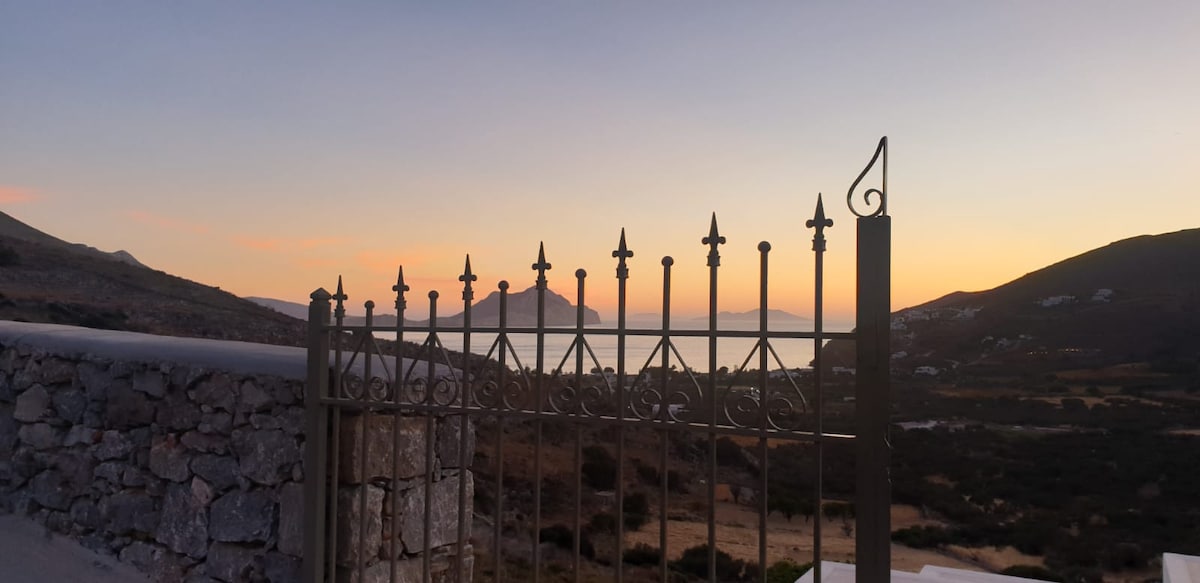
[
  {"x": 1133, "y": 300},
  {"x": 46, "y": 279}
]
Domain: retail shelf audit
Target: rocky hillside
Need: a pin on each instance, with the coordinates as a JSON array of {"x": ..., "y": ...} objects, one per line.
[
  {"x": 45, "y": 279},
  {"x": 1136, "y": 300}
]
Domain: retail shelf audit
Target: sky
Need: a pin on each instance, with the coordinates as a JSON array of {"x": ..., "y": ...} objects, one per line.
[{"x": 269, "y": 147}]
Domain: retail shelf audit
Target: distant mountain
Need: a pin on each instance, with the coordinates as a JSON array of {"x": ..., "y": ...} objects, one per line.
[
  {"x": 46, "y": 279},
  {"x": 522, "y": 311},
  {"x": 1135, "y": 300},
  {"x": 773, "y": 315},
  {"x": 293, "y": 309}
]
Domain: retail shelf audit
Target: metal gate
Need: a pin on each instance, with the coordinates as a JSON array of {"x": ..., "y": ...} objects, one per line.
[{"x": 428, "y": 467}]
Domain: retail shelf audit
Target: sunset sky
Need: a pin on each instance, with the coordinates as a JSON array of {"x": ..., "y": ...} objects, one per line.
[{"x": 267, "y": 148}]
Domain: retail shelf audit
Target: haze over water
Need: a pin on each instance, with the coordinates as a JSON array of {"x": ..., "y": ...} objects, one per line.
[{"x": 731, "y": 352}]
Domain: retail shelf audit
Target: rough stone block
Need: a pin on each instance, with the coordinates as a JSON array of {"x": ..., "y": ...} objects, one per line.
[
  {"x": 169, "y": 459},
  {"x": 32, "y": 405},
  {"x": 242, "y": 516},
  {"x": 265, "y": 457},
  {"x": 81, "y": 435},
  {"x": 40, "y": 436},
  {"x": 280, "y": 568},
  {"x": 130, "y": 511},
  {"x": 253, "y": 398},
  {"x": 291, "y": 519},
  {"x": 155, "y": 561},
  {"x": 55, "y": 371},
  {"x": 126, "y": 408},
  {"x": 69, "y": 405},
  {"x": 444, "y": 513},
  {"x": 183, "y": 527},
  {"x": 113, "y": 445},
  {"x": 150, "y": 382},
  {"x": 351, "y": 541},
  {"x": 49, "y": 489},
  {"x": 176, "y": 412},
  {"x": 220, "y": 471},
  {"x": 232, "y": 562},
  {"x": 410, "y": 459},
  {"x": 201, "y": 442},
  {"x": 215, "y": 392},
  {"x": 450, "y": 443},
  {"x": 95, "y": 379}
]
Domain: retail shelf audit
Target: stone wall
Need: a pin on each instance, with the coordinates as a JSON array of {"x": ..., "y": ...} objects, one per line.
[{"x": 183, "y": 457}]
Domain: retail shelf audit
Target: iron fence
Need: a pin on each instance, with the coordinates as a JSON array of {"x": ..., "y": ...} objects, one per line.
[{"x": 412, "y": 451}]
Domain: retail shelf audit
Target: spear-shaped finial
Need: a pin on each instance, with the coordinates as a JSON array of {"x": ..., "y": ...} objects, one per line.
[
  {"x": 622, "y": 253},
  {"x": 712, "y": 240},
  {"x": 541, "y": 266},
  {"x": 467, "y": 277},
  {"x": 819, "y": 222},
  {"x": 400, "y": 288},
  {"x": 339, "y": 310}
]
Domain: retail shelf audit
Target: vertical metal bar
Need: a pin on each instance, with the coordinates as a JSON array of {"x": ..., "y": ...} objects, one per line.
[
  {"x": 540, "y": 394},
  {"x": 468, "y": 294},
  {"x": 621, "y": 253},
  {"x": 430, "y": 439},
  {"x": 497, "y": 525},
  {"x": 580, "y": 276},
  {"x": 820, "y": 223},
  {"x": 397, "y": 388},
  {"x": 363, "y": 444},
  {"x": 714, "y": 261},
  {"x": 663, "y": 411},
  {"x": 763, "y": 399},
  {"x": 316, "y": 438},
  {"x": 339, "y": 315},
  {"x": 873, "y": 399}
]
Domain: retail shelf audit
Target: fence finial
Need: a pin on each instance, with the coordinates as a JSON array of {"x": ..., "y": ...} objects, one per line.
[
  {"x": 467, "y": 277},
  {"x": 712, "y": 240},
  {"x": 400, "y": 288},
  {"x": 541, "y": 266},
  {"x": 882, "y": 148},
  {"x": 820, "y": 223},
  {"x": 339, "y": 311},
  {"x": 622, "y": 253}
]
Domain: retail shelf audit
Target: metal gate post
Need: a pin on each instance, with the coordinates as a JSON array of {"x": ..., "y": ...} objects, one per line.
[
  {"x": 873, "y": 400},
  {"x": 316, "y": 438}
]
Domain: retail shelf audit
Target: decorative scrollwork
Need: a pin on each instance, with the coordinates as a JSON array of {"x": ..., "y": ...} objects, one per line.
[
  {"x": 595, "y": 400},
  {"x": 562, "y": 398},
  {"x": 486, "y": 395},
  {"x": 881, "y": 192},
  {"x": 741, "y": 408},
  {"x": 782, "y": 414},
  {"x": 517, "y": 395},
  {"x": 352, "y": 387}
]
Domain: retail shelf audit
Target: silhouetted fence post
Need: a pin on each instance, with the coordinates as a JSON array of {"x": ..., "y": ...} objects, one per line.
[
  {"x": 316, "y": 430},
  {"x": 873, "y": 386}
]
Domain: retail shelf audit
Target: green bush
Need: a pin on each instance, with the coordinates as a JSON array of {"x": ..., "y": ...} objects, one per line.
[
  {"x": 642, "y": 555},
  {"x": 602, "y": 522},
  {"x": 636, "y": 510},
  {"x": 694, "y": 562},
  {"x": 599, "y": 469},
  {"x": 786, "y": 571},
  {"x": 1032, "y": 572},
  {"x": 564, "y": 538}
]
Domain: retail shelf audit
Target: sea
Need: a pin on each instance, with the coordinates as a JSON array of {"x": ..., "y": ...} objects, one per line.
[{"x": 642, "y": 350}]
